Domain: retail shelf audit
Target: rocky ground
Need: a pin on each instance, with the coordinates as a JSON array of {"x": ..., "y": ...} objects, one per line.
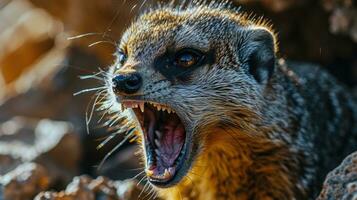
[
  {"x": 46, "y": 151},
  {"x": 341, "y": 183}
]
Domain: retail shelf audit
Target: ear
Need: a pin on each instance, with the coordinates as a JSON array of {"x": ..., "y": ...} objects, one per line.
[{"x": 258, "y": 53}]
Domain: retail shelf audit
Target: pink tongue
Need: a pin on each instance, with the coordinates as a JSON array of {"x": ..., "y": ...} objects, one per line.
[{"x": 171, "y": 143}]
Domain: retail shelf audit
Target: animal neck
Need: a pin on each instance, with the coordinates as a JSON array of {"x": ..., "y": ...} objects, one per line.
[{"x": 229, "y": 168}]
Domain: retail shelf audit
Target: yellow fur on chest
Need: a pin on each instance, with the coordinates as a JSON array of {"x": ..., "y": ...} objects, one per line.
[
  {"x": 230, "y": 169},
  {"x": 214, "y": 176}
]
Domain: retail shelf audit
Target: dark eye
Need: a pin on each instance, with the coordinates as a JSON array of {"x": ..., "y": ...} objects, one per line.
[
  {"x": 122, "y": 57},
  {"x": 188, "y": 58}
]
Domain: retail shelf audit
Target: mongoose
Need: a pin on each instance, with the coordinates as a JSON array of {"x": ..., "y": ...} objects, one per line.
[{"x": 219, "y": 115}]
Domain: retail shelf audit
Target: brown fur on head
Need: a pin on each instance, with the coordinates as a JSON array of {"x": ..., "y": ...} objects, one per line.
[{"x": 221, "y": 100}]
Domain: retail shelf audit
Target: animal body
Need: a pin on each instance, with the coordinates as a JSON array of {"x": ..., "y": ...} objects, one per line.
[{"x": 219, "y": 115}]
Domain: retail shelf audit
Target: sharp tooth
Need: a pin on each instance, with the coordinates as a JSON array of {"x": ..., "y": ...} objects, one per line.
[
  {"x": 157, "y": 152},
  {"x": 167, "y": 174},
  {"x": 158, "y": 134},
  {"x": 158, "y": 107},
  {"x": 157, "y": 143},
  {"x": 171, "y": 170},
  {"x": 163, "y": 109},
  {"x": 141, "y": 105},
  {"x": 169, "y": 110},
  {"x": 149, "y": 172}
]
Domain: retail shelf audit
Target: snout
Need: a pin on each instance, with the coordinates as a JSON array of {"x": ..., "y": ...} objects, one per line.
[{"x": 128, "y": 83}]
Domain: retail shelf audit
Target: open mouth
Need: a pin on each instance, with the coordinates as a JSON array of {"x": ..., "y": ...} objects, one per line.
[{"x": 164, "y": 140}]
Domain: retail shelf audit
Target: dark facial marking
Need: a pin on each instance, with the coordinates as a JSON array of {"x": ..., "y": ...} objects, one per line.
[{"x": 179, "y": 64}]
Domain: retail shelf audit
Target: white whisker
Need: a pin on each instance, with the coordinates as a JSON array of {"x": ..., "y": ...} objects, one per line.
[
  {"x": 136, "y": 176},
  {"x": 89, "y": 90},
  {"x": 100, "y": 42},
  {"x": 130, "y": 134},
  {"x": 82, "y": 35},
  {"x": 89, "y": 119},
  {"x": 141, "y": 181},
  {"x": 144, "y": 189}
]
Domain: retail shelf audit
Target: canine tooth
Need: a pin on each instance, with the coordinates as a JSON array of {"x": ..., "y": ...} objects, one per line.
[
  {"x": 157, "y": 152},
  {"x": 158, "y": 107},
  {"x": 171, "y": 170},
  {"x": 149, "y": 172},
  {"x": 157, "y": 143},
  {"x": 141, "y": 105},
  {"x": 158, "y": 134},
  {"x": 167, "y": 174}
]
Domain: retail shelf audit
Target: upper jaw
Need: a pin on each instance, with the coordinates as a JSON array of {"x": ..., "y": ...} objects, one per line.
[{"x": 141, "y": 105}]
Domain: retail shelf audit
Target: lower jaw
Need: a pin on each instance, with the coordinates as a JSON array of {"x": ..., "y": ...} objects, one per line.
[{"x": 181, "y": 165}]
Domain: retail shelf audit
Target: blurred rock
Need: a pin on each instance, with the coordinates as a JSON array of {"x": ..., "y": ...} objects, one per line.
[
  {"x": 8, "y": 162},
  {"x": 53, "y": 96},
  {"x": 24, "y": 182},
  {"x": 123, "y": 165},
  {"x": 341, "y": 183},
  {"x": 34, "y": 36},
  {"x": 54, "y": 99},
  {"x": 85, "y": 188},
  {"x": 274, "y": 5},
  {"x": 343, "y": 18},
  {"x": 53, "y": 144},
  {"x": 109, "y": 16}
]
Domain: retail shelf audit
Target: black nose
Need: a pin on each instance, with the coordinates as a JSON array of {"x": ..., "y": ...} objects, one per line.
[{"x": 127, "y": 83}]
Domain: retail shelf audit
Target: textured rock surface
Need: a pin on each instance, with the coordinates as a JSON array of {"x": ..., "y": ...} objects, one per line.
[
  {"x": 24, "y": 182},
  {"x": 343, "y": 18},
  {"x": 32, "y": 35},
  {"x": 55, "y": 100},
  {"x": 85, "y": 188},
  {"x": 41, "y": 141},
  {"x": 341, "y": 183}
]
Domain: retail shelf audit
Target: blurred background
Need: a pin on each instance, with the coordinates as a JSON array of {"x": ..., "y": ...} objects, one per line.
[{"x": 42, "y": 125}]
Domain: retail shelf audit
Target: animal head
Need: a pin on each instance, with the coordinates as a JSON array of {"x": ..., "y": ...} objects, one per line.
[{"x": 184, "y": 75}]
